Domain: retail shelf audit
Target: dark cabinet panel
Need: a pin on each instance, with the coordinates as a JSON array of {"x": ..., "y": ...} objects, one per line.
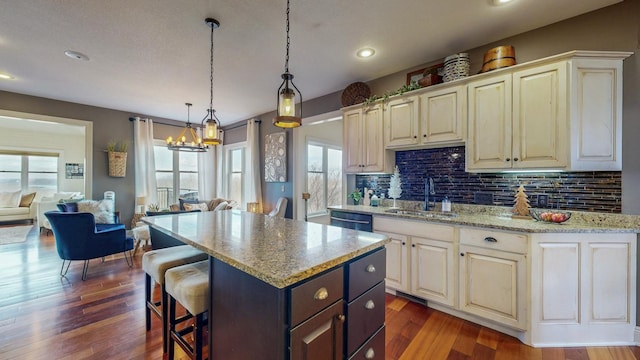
[
  {"x": 321, "y": 337},
  {"x": 315, "y": 295},
  {"x": 365, "y": 316},
  {"x": 372, "y": 349},
  {"x": 365, "y": 273}
]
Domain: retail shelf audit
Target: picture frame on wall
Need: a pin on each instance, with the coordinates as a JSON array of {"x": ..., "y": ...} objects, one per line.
[
  {"x": 275, "y": 157},
  {"x": 74, "y": 171},
  {"x": 434, "y": 74}
]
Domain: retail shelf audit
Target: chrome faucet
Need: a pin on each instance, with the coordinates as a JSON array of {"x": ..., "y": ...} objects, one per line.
[{"x": 429, "y": 189}]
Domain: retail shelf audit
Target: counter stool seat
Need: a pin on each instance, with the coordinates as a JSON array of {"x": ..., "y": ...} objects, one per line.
[
  {"x": 189, "y": 286},
  {"x": 155, "y": 264}
]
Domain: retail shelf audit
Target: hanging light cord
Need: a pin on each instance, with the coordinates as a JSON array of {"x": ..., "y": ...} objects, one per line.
[
  {"x": 211, "y": 74},
  {"x": 286, "y": 61}
]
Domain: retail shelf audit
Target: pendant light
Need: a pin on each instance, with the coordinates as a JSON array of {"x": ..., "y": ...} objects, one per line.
[
  {"x": 288, "y": 115},
  {"x": 182, "y": 143},
  {"x": 211, "y": 135}
]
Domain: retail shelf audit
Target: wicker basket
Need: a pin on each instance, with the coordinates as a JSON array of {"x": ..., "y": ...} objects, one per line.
[
  {"x": 456, "y": 66},
  {"x": 117, "y": 164}
]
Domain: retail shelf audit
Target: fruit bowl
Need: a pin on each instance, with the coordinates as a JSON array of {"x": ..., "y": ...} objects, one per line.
[{"x": 550, "y": 215}]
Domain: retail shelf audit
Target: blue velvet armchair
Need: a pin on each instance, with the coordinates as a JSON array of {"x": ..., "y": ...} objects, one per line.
[{"x": 78, "y": 237}]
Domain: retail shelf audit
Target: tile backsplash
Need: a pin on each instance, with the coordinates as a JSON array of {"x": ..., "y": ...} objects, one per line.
[{"x": 587, "y": 191}]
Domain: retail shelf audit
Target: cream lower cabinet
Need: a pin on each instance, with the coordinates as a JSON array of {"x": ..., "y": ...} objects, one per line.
[
  {"x": 421, "y": 261},
  {"x": 493, "y": 276},
  {"x": 583, "y": 289}
]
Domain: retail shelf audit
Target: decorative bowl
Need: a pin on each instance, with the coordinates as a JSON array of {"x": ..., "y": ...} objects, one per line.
[{"x": 550, "y": 215}]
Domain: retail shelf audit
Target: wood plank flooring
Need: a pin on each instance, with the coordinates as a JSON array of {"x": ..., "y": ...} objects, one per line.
[{"x": 44, "y": 316}]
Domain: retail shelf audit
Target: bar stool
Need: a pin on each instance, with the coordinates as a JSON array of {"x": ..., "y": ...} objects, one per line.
[
  {"x": 155, "y": 263},
  {"x": 188, "y": 285}
]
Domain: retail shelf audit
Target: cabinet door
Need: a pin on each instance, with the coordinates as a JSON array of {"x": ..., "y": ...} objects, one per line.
[
  {"x": 373, "y": 152},
  {"x": 493, "y": 285},
  {"x": 401, "y": 122},
  {"x": 540, "y": 134},
  {"x": 397, "y": 277},
  {"x": 433, "y": 270},
  {"x": 489, "y": 124},
  {"x": 352, "y": 140},
  {"x": 596, "y": 115},
  {"x": 442, "y": 115},
  {"x": 321, "y": 337}
]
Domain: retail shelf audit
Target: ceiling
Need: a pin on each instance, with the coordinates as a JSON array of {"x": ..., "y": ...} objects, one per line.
[{"x": 149, "y": 57}]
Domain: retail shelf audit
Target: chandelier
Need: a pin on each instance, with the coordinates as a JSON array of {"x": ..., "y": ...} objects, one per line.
[
  {"x": 182, "y": 143},
  {"x": 287, "y": 115},
  {"x": 210, "y": 123}
]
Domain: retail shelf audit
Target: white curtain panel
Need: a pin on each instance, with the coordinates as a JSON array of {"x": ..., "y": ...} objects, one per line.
[
  {"x": 253, "y": 181},
  {"x": 220, "y": 173},
  {"x": 207, "y": 173},
  {"x": 145, "y": 168}
]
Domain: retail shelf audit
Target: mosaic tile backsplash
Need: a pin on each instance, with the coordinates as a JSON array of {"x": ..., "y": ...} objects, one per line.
[{"x": 587, "y": 191}]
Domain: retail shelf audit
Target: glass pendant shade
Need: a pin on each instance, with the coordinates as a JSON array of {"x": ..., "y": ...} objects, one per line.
[
  {"x": 287, "y": 102},
  {"x": 211, "y": 134}
]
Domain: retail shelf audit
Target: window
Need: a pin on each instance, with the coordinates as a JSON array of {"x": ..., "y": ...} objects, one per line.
[
  {"x": 235, "y": 172},
  {"x": 176, "y": 174},
  {"x": 29, "y": 173},
  {"x": 324, "y": 177}
]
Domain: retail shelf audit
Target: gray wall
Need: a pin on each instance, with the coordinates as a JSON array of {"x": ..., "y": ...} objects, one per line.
[{"x": 107, "y": 125}]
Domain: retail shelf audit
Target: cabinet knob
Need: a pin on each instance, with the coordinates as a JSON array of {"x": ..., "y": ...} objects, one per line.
[
  {"x": 507, "y": 159},
  {"x": 370, "y": 305},
  {"x": 404, "y": 243},
  {"x": 424, "y": 135},
  {"x": 340, "y": 318},
  {"x": 515, "y": 159},
  {"x": 371, "y": 268},
  {"x": 370, "y": 354},
  {"x": 415, "y": 136},
  {"x": 321, "y": 294},
  {"x": 491, "y": 239},
  {"x": 461, "y": 254},
  {"x": 413, "y": 245}
]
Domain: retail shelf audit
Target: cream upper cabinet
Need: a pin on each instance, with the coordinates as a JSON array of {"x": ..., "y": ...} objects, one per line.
[
  {"x": 562, "y": 112},
  {"x": 401, "y": 121},
  {"x": 363, "y": 142},
  {"x": 443, "y": 115}
]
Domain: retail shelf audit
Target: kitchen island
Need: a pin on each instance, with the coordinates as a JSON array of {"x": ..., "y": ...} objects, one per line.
[{"x": 281, "y": 288}]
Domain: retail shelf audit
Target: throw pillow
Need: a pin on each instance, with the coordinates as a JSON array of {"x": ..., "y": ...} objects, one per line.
[
  {"x": 221, "y": 206},
  {"x": 184, "y": 201},
  {"x": 27, "y": 199},
  {"x": 102, "y": 210},
  {"x": 10, "y": 199},
  {"x": 70, "y": 195},
  {"x": 199, "y": 206},
  {"x": 68, "y": 207}
]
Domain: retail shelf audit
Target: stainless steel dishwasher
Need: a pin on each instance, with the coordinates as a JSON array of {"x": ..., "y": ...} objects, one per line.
[{"x": 351, "y": 220}]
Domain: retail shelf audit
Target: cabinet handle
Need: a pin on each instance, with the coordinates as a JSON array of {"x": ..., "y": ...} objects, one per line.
[
  {"x": 507, "y": 159},
  {"x": 415, "y": 136},
  {"x": 461, "y": 254},
  {"x": 370, "y": 305},
  {"x": 404, "y": 243},
  {"x": 413, "y": 245},
  {"x": 424, "y": 135},
  {"x": 491, "y": 239},
  {"x": 515, "y": 159},
  {"x": 340, "y": 318},
  {"x": 370, "y": 354},
  {"x": 371, "y": 268},
  {"x": 321, "y": 294}
]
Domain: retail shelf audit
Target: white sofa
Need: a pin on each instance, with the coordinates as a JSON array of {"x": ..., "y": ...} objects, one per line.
[
  {"x": 48, "y": 203},
  {"x": 15, "y": 213}
]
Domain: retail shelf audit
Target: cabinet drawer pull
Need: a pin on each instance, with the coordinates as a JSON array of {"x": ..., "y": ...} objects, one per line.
[
  {"x": 370, "y": 305},
  {"x": 371, "y": 268},
  {"x": 491, "y": 239},
  {"x": 340, "y": 318},
  {"x": 370, "y": 354},
  {"x": 515, "y": 159},
  {"x": 321, "y": 294},
  {"x": 507, "y": 159}
]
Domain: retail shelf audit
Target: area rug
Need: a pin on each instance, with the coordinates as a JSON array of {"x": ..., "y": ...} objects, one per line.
[{"x": 14, "y": 234}]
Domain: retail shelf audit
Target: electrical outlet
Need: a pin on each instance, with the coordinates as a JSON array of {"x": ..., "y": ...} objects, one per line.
[
  {"x": 542, "y": 200},
  {"x": 483, "y": 198},
  {"x": 282, "y": 188}
]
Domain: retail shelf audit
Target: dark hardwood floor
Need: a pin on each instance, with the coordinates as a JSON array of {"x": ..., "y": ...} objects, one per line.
[{"x": 44, "y": 316}]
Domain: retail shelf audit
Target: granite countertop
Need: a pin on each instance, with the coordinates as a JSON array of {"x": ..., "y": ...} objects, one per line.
[
  {"x": 280, "y": 252},
  {"x": 497, "y": 217}
]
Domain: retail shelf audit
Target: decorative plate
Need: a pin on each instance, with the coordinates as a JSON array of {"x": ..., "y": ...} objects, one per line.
[{"x": 355, "y": 93}]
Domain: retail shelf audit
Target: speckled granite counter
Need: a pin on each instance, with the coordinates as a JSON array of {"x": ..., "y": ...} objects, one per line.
[
  {"x": 499, "y": 218},
  {"x": 280, "y": 252}
]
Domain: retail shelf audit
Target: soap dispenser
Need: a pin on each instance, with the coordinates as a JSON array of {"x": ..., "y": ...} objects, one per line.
[{"x": 446, "y": 204}]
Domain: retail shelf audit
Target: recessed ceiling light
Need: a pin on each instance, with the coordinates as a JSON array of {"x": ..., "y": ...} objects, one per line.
[
  {"x": 501, "y": 2},
  {"x": 76, "y": 55},
  {"x": 366, "y": 52},
  {"x": 5, "y": 76}
]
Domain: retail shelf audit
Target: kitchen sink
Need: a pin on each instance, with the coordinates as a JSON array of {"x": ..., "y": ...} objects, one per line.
[{"x": 422, "y": 213}]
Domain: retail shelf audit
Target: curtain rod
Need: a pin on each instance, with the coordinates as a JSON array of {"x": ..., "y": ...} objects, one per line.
[
  {"x": 240, "y": 124},
  {"x": 132, "y": 119}
]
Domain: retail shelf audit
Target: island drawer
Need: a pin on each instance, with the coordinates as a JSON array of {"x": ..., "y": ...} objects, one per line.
[
  {"x": 493, "y": 239},
  {"x": 372, "y": 349},
  {"x": 365, "y": 315},
  {"x": 365, "y": 273},
  {"x": 314, "y": 295}
]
